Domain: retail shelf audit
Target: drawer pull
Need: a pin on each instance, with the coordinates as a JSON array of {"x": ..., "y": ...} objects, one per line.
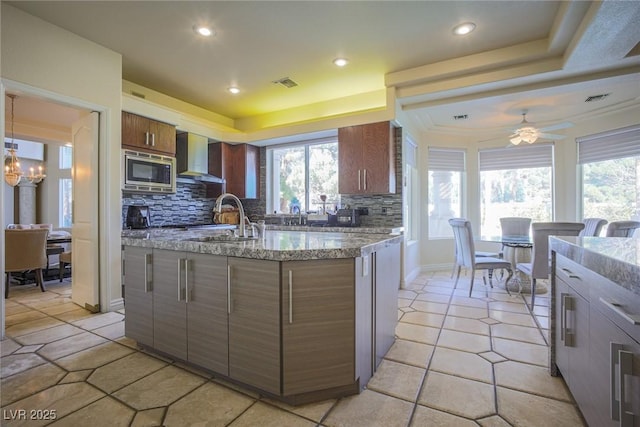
[
  {"x": 634, "y": 319},
  {"x": 621, "y": 365}
]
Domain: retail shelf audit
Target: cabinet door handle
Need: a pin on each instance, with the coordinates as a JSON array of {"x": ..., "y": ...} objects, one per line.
[
  {"x": 634, "y": 319},
  {"x": 147, "y": 263},
  {"x": 290, "y": 296},
  {"x": 228, "y": 289},
  {"x": 146, "y": 138},
  {"x": 153, "y": 139},
  {"x": 186, "y": 280},
  {"x": 365, "y": 179},
  {"x": 620, "y": 364},
  {"x": 563, "y": 316},
  {"x": 626, "y": 368},
  {"x": 359, "y": 187}
]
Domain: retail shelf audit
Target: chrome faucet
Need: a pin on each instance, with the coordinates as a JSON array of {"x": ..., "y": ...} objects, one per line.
[{"x": 218, "y": 208}]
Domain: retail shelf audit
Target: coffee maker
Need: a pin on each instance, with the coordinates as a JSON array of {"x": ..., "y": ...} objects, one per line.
[{"x": 138, "y": 216}]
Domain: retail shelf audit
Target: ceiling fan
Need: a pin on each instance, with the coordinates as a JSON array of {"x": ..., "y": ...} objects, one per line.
[{"x": 527, "y": 132}]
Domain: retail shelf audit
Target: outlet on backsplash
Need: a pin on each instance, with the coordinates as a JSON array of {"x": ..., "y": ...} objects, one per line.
[{"x": 384, "y": 211}]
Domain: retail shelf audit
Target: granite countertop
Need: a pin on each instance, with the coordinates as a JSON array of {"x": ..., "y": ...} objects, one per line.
[
  {"x": 363, "y": 230},
  {"x": 616, "y": 258},
  {"x": 278, "y": 245}
]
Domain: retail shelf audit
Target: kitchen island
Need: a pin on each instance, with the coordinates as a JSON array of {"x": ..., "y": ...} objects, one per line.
[
  {"x": 297, "y": 315},
  {"x": 595, "y": 325}
]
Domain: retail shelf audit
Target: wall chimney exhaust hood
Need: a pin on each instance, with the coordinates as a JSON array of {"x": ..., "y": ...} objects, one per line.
[{"x": 192, "y": 158}]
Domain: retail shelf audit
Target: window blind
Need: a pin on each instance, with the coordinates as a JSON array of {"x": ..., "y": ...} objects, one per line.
[
  {"x": 516, "y": 157},
  {"x": 614, "y": 144},
  {"x": 442, "y": 159}
]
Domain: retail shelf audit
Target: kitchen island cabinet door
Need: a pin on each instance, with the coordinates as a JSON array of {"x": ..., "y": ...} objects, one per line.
[
  {"x": 254, "y": 322},
  {"x": 138, "y": 296},
  {"x": 318, "y": 325},
  {"x": 607, "y": 341},
  {"x": 169, "y": 306},
  {"x": 385, "y": 289},
  {"x": 207, "y": 327}
]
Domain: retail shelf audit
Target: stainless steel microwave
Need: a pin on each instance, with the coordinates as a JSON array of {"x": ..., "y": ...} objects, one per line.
[{"x": 148, "y": 173}]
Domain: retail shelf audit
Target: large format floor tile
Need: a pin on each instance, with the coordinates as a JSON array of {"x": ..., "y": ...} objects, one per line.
[{"x": 457, "y": 361}]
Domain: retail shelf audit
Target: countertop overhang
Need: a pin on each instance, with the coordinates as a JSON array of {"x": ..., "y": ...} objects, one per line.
[
  {"x": 277, "y": 245},
  {"x": 616, "y": 258}
]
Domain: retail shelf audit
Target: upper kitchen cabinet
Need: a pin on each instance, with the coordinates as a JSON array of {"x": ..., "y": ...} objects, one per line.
[
  {"x": 366, "y": 155},
  {"x": 239, "y": 165},
  {"x": 144, "y": 134}
]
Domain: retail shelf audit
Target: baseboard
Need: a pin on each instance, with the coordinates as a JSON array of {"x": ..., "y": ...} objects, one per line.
[{"x": 436, "y": 267}]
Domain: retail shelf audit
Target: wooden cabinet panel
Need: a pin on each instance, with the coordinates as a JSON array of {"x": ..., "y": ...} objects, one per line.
[
  {"x": 254, "y": 323},
  {"x": 239, "y": 165},
  {"x": 318, "y": 325},
  {"x": 207, "y": 327},
  {"x": 144, "y": 134},
  {"x": 138, "y": 296},
  {"x": 366, "y": 159},
  {"x": 378, "y": 160},
  {"x": 349, "y": 160},
  {"x": 169, "y": 306}
]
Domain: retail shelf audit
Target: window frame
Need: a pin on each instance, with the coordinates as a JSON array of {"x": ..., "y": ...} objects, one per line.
[{"x": 271, "y": 183}]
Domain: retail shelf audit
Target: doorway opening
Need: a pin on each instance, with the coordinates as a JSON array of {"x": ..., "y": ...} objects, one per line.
[{"x": 42, "y": 125}]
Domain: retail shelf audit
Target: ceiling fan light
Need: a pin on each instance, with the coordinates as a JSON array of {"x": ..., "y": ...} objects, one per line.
[{"x": 516, "y": 140}]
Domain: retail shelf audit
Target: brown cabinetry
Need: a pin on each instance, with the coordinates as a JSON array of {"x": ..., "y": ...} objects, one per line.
[
  {"x": 318, "y": 325},
  {"x": 366, "y": 159},
  {"x": 144, "y": 134},
  {"x": 239, "y": 166},
  {"x": 254, "y": 323}
]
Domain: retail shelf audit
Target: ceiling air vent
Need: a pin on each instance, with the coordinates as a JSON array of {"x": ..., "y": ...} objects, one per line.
[
  {"x": 461, "y": 117},
  {"x": 286, "y": 82},
  {"x": 596, "y": 97}
]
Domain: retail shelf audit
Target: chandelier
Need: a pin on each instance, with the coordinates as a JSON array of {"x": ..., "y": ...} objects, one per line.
[
  {"x": 35, "y": 178},
  {"x": 12, "y": 171}
]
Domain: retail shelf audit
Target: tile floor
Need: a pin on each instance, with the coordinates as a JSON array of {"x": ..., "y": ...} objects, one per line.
[{"x": 457, "y": 361}]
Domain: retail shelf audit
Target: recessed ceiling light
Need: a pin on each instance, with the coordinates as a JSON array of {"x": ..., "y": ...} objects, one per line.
[
  {"x": 340, "y": 62},
  {"x": 234, "y": 90},
  {"x": 203, "y": 30},
  {"x": 463, "y": 29}
]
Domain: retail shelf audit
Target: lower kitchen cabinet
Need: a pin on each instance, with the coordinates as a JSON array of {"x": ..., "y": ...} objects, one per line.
[
  {"x": 318, "y": 325},
  {"x": 190, "y": 307},
  {"x": 596, "y": 347},
  {"x": 386, "y": 284},
  {"x": 614, "y": 362},
  {"x": 138, "y": 296},
  {"x": 302, "y": 330},
  {"x": 254, "y": 323}
]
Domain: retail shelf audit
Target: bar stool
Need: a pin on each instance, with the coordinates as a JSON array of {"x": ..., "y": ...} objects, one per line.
[{"x": 65, "y": 258}]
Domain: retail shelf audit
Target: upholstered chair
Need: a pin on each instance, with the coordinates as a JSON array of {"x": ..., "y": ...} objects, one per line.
[
  {"x": 592, "y": 227},
  {"x": 25, "y": 250},
  {"x": 622, "y": 228}
]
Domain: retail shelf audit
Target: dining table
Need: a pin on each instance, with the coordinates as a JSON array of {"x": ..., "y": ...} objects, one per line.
[{"x": 516, "y": 250}]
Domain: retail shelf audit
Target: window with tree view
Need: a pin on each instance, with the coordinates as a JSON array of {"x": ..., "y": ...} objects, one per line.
[
  {"x": 446, "y": 169},
  {"x": 299, "y": 174},
  {"x": 610, "y": 165},
  {"x": 515, "y": 181}
]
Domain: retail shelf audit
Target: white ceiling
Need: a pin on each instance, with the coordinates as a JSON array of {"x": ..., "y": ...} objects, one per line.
[{"x": 518, "y": 49}]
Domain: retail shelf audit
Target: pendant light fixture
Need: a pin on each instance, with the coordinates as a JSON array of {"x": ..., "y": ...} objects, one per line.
[{"x": 12, "y": 171}]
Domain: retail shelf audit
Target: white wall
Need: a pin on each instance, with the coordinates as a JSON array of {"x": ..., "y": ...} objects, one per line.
[
  {"x": 438, "y": 254},
  {"x": 51, "y": 61}
]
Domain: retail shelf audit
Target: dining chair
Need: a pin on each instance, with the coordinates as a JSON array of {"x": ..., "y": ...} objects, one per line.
[
  {"x": 477, "y": 253},
  {"x": 466, "y": 255},
  {"x": 25, "y": 250},
  {"x": 592, "y": 227},
  {"x": 515, "y": 226},
  {"x": 622, "y": 228},
  {"x": 539, "y": 267},
  {"x": 65, "y": 259}
]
